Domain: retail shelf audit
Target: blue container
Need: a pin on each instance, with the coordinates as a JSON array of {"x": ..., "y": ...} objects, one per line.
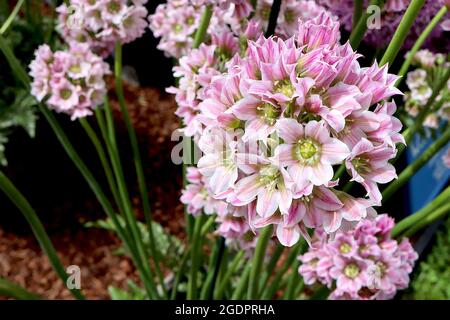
[{"x": 429, "y": 181}]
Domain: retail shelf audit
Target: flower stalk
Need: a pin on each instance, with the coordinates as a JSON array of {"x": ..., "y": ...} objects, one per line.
[
  {"x": 416, "y": 165},
  {"x": 258, "y": 259},
  {"x": 402, "y": 32},
  {"x": 358, "y": 32},
  {"x": 419, "y": 42}
]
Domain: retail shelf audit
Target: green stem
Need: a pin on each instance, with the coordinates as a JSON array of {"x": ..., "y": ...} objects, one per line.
[
  {"x": 416, "y": 165},
  {"x": 239, "y": 292},
  {"x": 269, "y": 291},
  {"x": 103, "y": 159},
  {"x": 357, "y": 12},
  {"x": 358, "y": 32},
  {"x": 11, "y": 17},
  {"x": 179, "y": 274},
  {"x": 432, "y": 217},
  {"x": 12, "y": 290},
  {"x": 138, "y": 164},
  {"x": 203, "y": 27},
  {"x": 38, "y": 229},
  {"x": 340, "y": 171},
  {"x": 410, "y": 221},
  {"x": 419, "y": 42},
  {"x": 294, "y": 280},
  {"x": 235, "y": 264},
  {"x": 402, "y": 32},
  {"x": 195, "y": 258},
  {"x": 271, "y": 265},
  {"x": 213, "y": 269},
  {"x": 257, "y": 262}
]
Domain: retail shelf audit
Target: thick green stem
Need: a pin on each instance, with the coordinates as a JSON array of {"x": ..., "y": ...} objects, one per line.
[
  {"x": 410, "y": 221},
  {"x": 258, "y": 259},
  {"x": 269, "y": 291},
  {"x": 38, "y": 229},
  {"x": 138, "y": 163},
  {"x": 402, "y": 32},
  {"x": 11, "y": 17},
  {"x": 271, "y": 265},
  {"x": 419, "y": 42},
  {"x": 195, "y": 258},
  {"x": 357, "y": 12},
  {"x": 294, "y": 280},
  {"x": 358, "y": 32},
  {"x": 239, "y": 292},
  {"x": 416, "y": 165},
  {"x": 432, "y": 217},
  {"x": 235, "y": 264},
  {"x": 203, "y": 27},
  {"x": 213, "y": 269},
  {"x": 12, "y": 290}
]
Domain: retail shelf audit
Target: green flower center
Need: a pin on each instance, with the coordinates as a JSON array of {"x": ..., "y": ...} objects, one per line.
[
  {"x": 285, "y": 87},
  {"x": 75, "y": 68},
  {"x": 269, "y": 113},
  {"x": 305, "y": 150},
  {"x": 190, "y": 21},
  {"x": 269, "y": 175},
  {"x": 345, "y": 248},
  {"x": 65, "y": 93},
  {"x": 351, "y": 270},
  {"x": 265, "y": 12},
  {"x": 361, "y": 165},
  {"x": 113, "y": 6},
  {"x": 289, "y": 16},
  {"x": 380, "y": 269},
  {"x": 178, "y": 28}
]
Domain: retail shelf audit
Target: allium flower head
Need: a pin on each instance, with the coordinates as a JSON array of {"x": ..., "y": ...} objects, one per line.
[
  {"x": 102, "y": 23},
  {"x": 73, "y": 80},
  {"x": 287, "y": 113},
  {"x": 367, "y": 264}
]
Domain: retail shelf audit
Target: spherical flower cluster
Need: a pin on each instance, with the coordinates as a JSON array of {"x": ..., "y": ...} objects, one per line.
[
  {"x": 380, "y": 34},
  {"x": 420, "y": 82},
  {"x": 362, "y": 264},
  {"x": 72, "y": 80},
  {"x": 279, "y": 119},
  {"x": 102, "y": 23},
  {"x": 176, "y": 21}
]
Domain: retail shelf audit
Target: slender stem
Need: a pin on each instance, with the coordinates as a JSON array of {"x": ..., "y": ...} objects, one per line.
[
  {"x": 138, "y": 163},
  {"x": 357, "y": 12},
  {"x": 410, "y": 221},
  {"x": 257, "y": 262},
  {"x": 419, "y": 42},
  {"x": 274, "y": 12},
  {"x": 433, "y": 216},
  {"x": 402, "y": 32},
  {"x": 38, "y": 229},
  {"x": 269, "y": 291},
  {"x": 213, "y": 270},
  {"x": 235, "y": 264},
  {"x": 179, "y": 274},
  {"x": 103, "y": 159},
  {"x": 15, "y": 291},
  {"x": 340, "y": 171},
  {"x": 416, "y": 165},
  {"x": 11, "y": 17},
  {"x": 271, "y": 265},
  {"x": 195, "y": 257},
  {"x": 239, "y": 292},
  {"x": 358, "y": 32},
  {"x": 294, "y": 279},
  {"x": 203, "y": 27}
]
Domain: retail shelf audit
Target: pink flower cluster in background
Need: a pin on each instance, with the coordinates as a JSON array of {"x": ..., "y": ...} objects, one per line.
[
  {"x": 73, "y": 80},
  {"x": 276, "y": 122},
  {"x": 176, "y": 21},
  {"x": 420, "y": 82},
  {"x": 380, "y": 35},
  {"x": 102, "y": 23},
  {"x": 364, "y": 264}
]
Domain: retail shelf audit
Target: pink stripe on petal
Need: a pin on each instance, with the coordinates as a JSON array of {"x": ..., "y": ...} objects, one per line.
[
  {"x": 267, "y": 202},
  {"x": 288, "y": 236}
]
